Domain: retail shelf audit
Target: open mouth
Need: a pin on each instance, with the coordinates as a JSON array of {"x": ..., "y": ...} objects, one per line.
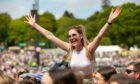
[{"x": 73, "y": 40}]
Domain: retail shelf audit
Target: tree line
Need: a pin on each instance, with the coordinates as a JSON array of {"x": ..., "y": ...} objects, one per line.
[{"x": 125, "y": 31}]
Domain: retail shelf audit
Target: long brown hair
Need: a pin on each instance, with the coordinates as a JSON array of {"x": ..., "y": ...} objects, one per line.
[
  {"x": 65, "y": 76},
  {"x": 81, "y": 30}
]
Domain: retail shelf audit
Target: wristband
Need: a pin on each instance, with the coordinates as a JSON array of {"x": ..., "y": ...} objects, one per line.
[{"x": 109, "y": 23}]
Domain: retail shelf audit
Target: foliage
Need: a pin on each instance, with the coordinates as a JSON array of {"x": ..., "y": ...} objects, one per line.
[
  {"x": 5, "y": 19},
  {"x": 124, "y": 31},
  {"x": 19, "y": 31},
  {"x": 67, "y": 14}
]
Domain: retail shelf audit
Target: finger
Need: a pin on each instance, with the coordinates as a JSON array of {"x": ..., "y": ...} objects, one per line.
[
  {"x": 119, "y": 7},
  {"x": 30, "y": 16},
  {"x": 34, "y": 17},
  {"x": 26, "y": 21},
  {"x": 27, "y": 18},
  {"x": 111, "y": 12},
  {"x": 118, "y": 10}
]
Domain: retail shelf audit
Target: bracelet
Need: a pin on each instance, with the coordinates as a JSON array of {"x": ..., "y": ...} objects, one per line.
[{"x": 109, "y": 23}]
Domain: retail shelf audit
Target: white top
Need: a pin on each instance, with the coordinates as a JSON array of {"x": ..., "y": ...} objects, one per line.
[{"x": 80, "y": 62}]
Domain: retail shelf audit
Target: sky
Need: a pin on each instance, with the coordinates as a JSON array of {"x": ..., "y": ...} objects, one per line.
[{"x": 80, "y": 8}]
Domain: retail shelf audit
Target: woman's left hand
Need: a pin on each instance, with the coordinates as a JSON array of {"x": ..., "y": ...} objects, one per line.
[{"x": 114, "y": 14}]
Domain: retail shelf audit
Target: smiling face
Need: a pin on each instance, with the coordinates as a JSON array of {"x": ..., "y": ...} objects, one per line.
[{"x": 75, "y": 38}]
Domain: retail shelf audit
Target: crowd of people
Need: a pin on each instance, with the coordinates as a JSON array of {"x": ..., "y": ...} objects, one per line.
[
  {"x": 23, "y": 63},
  {"x": 78, "y": 66},
  {"x": 104, "y": 75},
  {"x": 16, "y": 61}
]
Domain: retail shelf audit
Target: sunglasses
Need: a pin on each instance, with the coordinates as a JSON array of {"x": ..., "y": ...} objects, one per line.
[
  {"x": 73, "y": 35},
  {"x": 128, "y": 71}
]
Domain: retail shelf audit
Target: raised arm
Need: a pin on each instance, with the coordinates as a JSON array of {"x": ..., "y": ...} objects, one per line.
[
  {"x": 47, "y": 34},
  {"x": 95, "y": 43}
]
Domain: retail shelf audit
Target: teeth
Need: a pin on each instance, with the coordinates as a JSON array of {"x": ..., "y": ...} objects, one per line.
[{"x": 73, "y": 40}]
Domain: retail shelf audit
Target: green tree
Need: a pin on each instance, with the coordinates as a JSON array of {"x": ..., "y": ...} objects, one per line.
[
  {"x": 19, "y": 31},
  {"x": 68, "y": 14},
  {"x": 124, "y": 31},
  {"x": 105, "y": 3},
  {"x": 47, "y": 21},
  {"x": 5, "y": 19},
  {"x": 95, "y": 22},
  {"x": 129, "y": 25}
]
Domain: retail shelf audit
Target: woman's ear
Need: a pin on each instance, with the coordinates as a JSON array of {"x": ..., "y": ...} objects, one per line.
[{"x": 81, "y": 36}]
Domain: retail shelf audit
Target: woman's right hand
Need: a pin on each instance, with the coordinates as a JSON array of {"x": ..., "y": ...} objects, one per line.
[{"x": 30, "y": 20}]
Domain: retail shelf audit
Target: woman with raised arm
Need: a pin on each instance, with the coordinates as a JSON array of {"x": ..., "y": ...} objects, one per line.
[{"x": 81, "y": 53}]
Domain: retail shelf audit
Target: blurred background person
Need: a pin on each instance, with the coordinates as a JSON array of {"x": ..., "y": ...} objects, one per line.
[
  {"x": 104, "y": 74},
  {"x": 133, "y": 70}
]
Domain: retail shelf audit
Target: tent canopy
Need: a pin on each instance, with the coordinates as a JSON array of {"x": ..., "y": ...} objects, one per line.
[
  {"x": 14, "y": 48},
  {"x": 108, "y": 48}
]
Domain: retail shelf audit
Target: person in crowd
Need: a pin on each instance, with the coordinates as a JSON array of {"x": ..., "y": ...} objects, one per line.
[
  {"x": 61, "y": 76},
  {"x": 26, "y": 81},
  {"x": 61, "y": 64},
  {"x": 133, "y": 70},
  {"x": 123, "y": 79},
  {"x": 19, "y": 73},
  {"x": 80, "y": 51},
  {"x": 5, "y": 79},
  {"x": 104, "y": 74}
]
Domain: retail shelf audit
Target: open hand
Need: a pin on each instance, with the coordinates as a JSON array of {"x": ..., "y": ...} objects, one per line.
[
  {"x": 30, "y": 20},
  {"x": 114, "y": 14}
]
